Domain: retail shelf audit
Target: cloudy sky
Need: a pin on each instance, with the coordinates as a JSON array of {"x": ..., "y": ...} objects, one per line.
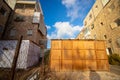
[{"x": 64, "y": 18}]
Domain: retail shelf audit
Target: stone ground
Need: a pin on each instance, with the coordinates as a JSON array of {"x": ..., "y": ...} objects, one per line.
[
  {"x": 113, "y": 74},
  {"x": 87, "y": 75}
]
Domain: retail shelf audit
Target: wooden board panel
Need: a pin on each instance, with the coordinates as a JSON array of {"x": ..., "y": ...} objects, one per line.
[
  {"x": 91, "y": 65},
  {"x": 89, "y": 45},
  {"x": 66, "y": 44},
  {"x": 100, "y": 54},
  {"x": 78, "y": 54},
  {"x": 100, "y": 45},
  {"x": 55, "y": 65},
  {"x": 90, "y": 54},
  {"x": 66, "y": 65},
  {"x": 66, "y": 54},
  {"x": 55, "y": 54},
  {"x": 102, "y": 65},
  {"x": 77, "y": 65},
  {"x": 78, "y": 44},
  {"x": 56, "y": 44}
]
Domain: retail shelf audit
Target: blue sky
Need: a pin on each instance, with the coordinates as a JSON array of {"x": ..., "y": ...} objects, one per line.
[{"x": 64, "y": 18}]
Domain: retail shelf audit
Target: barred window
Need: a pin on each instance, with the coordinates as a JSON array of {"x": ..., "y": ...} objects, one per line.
[{"x": 29, "y": 32}]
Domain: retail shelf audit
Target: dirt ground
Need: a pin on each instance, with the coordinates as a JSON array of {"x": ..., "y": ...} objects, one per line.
[{"x": 113, "y": 74}]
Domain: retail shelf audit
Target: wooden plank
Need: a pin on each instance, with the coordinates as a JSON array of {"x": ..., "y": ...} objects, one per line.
[
  {"x": 77, "y": 65},
  {"x": 101, "y": 54},
  {"x": 66, "y": 65},
  {"x": 67, "y": 54},
  {"x": 56, "y": 44},
  {"x": 100, "y": 45},
  {"x": 89, "y": 45},
  {"x": 55, "y": 65},
  {"x": 55, "y": 54},
  {"x": 90, "y": 54},
  {"x": 78, "y": 54},
  {"x": 78, "y": 44},
  {"x": 103, "y": 65},
  {"x": 91, "y": 65},
  {"x": 66, "y": 44}
]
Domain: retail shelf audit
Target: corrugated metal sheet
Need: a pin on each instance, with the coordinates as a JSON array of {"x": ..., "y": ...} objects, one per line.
[
  {"x": 75, "y": 55},
  {"x": 28, "y": 56}
]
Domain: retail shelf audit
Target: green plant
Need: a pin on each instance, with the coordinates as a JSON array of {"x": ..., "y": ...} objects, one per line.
[
  {"x": 114, "y": 59},
  {"x": 46, "y": 57}
]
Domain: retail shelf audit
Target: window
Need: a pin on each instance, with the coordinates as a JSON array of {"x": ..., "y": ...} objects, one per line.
[
  {"x": 85, "y": 23},
  {"x": 90, "y": 16},
  {"x": 117, "y": 21},
  {"x": 3, "y": 11},
  {"x": 105, "y": 36},
  {"x": 94, "y": 36},
  {"x": 115, "y": 24},
  {"x": 92, "y": 26},
  {"x": 118, "y": 42},
  {"x": 29, "y": 32},
  {"x": 109, "y": 50},
  {"x": 19, "y": 18},
  {"x": 1, "y": 29},
  {"x": 36, "y": 17},
  {"x": 96, "y": 6},
  {"x": 101, "y": 23},
  {"x": 13, "y": 32},
  {"x": 111, "y": 7}
]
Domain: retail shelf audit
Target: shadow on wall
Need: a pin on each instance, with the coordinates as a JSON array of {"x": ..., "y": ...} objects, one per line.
[{"x": 94, "y": 75}]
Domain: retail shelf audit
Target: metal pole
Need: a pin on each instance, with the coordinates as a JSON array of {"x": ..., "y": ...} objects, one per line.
[{"x": 14, "y": 64}]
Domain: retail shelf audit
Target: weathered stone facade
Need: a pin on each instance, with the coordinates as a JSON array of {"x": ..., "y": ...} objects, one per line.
[
  {"x": 5, "y": 11},
  {"x": 22, "y": 22},
  {"x": 104, "y": 24}
]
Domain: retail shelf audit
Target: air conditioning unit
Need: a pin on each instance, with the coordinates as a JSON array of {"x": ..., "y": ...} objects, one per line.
[{"x": 36, "y": 17}]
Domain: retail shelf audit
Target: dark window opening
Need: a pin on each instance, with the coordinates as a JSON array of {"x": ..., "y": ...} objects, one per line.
[
  {"x": 96, "y": 6},
  {"x": 105, "y": 36},
  {"x": 85, "y": 23},
  {"x": 118, "y": 42},
  {"x": 2, "y": 11},
  {"x": 29, "y": 32},
  {"x": 110, "y": 50},
  {"x": 92, "y": 26},
  {"x": 101, "y": 23},
  {"x": 19, "y": 18},
  {"x": 117, "y": 21},
  {"x": 90, "y": 16}
]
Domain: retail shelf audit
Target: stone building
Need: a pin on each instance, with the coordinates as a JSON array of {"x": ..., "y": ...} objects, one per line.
[
  {"x": 5, "y": 11},
  {"x": 27, "y": 21},
  {"x": 103, "y": 23}
]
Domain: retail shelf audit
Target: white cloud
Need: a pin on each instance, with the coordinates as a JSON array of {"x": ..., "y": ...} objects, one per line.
[
  {"x": 48, "y": 27},
  {"x": 72, "y": 8},
  {"x": 76, "y": 8},
  {"x": 68, "y": 3},
  {"x": 64, "y": 30}
]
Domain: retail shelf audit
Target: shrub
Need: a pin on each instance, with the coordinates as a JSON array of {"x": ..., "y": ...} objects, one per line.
[
  {"x": 114, "y": 59},
  {"x": 46, "y": 57}
]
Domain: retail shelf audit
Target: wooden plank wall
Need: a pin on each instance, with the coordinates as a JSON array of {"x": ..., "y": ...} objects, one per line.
[{"x": 77, "y": 55}]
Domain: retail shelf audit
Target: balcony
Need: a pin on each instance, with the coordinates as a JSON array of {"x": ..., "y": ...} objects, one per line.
[{"x": 26, "y": 1}]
